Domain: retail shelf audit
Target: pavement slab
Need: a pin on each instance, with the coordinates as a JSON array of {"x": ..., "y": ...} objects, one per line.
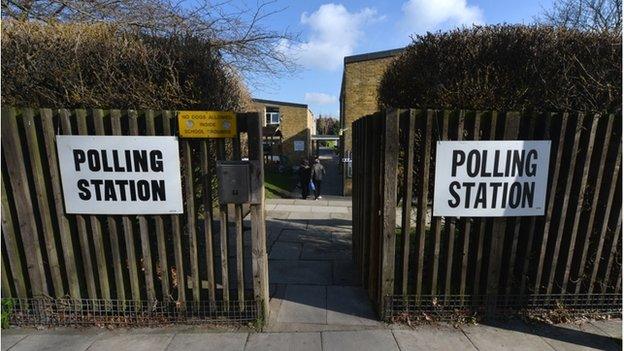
[
  {"x": 344, "y": 273},
  {"x": 304, "y": 304},
  {"x": 433, "y": 338},
  {"x": 573, "y": 337},
  {"x": 512, "y": 335},
  {"x": 322, "y": 251},
  {"x": 300, "y": 272},
  {"x": 361, "y": 340},
  {"x": 612, "y": 327},
  {"x": 134, "y": 342},
  {"x": 284, "y": 342},
  {"x": 285, "y": 250},
  {"x": 8, "y": 340},
  {"x": 305, "y": 236},
  {"x": 349, "y": 305},
  {"x": 209, "y": 342},
  {"x": 53, "y": 342}
]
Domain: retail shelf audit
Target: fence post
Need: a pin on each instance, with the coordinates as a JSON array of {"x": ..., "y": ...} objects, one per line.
[
  {"x": 512, "y": 126},
  {"x": 389, "y": 193}
]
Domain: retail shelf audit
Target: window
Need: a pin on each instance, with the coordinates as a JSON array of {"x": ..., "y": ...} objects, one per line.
[{"x": 272, "y": 115}]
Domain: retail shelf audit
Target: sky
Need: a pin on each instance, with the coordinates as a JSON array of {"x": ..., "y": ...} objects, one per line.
[{"x": 329, "y": 31}]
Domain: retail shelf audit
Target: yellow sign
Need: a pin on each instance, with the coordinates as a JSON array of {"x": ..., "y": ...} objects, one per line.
[{"x": 207, "y": 124}]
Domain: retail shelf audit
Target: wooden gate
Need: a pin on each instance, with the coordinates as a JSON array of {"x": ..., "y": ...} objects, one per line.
[
  {"x": 91, "y": 269},
  {"x": 419, "y": 265}
]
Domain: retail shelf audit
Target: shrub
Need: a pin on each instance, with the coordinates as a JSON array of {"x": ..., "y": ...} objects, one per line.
[
  {"x": 91, "y": 65},
  {"x": 508, "y": 68}
]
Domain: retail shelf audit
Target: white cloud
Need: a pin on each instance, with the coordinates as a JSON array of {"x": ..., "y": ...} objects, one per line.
[
  {"x": 430, "y": 15},
  {"x": 334, "y": 33},
  {"x": 320, "y": 98}
]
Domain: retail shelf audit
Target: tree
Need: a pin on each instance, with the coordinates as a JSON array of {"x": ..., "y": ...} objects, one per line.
[
  {"x": 327, "y": 125},
  {"x": 592, "y": 15},
  {"x": 237, "y": 33}
]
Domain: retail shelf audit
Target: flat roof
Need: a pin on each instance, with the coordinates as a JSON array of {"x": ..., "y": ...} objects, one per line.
[
  {"x": 284, "y": 103},
  {"x": 373, "y": 55}
]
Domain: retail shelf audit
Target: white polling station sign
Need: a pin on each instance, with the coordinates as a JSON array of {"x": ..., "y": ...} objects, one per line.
[
  {"x": 120, "y": 174},
  {"x": 491, "y": 178}
]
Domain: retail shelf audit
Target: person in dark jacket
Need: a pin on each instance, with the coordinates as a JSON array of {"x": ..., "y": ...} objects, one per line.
[
  {"x": 318, "y": 172},
  {"x": 304, "y": 178}
]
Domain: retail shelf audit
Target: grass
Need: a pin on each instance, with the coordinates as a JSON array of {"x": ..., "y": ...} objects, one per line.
[
  {"x": 7, "y": 309},
  {"x": 277, "y": 184}
]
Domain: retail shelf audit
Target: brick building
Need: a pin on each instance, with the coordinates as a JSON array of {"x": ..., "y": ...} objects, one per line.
[
  {"x": 358, "y": 97},
  {"x": 290, "y": 123}
]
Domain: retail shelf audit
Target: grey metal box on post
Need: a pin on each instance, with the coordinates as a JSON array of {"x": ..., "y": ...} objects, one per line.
[{"x": 233, "y": 177}]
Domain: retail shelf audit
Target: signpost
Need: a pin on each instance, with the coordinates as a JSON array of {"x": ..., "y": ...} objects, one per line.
[
  {"x": 207, "y": 124},
  {"x": 491, "y": 178},
  {"x": 120, "y": 174}
]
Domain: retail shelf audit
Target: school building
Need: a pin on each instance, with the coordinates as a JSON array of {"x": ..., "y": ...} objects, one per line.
[
  {"x": 358, "y": 97},
  {"x": 287, "y": 129}
]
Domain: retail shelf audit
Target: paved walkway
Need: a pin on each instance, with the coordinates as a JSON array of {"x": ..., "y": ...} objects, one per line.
[{"x": 316, "y": 305}]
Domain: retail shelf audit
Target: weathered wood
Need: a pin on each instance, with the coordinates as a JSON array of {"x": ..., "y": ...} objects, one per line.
[
  {"x": 96, "y": 229},
  {"x": 127, "y": 225},
  {"x": 38, "y": 178},
  {"x": 605, "y": 222},
  {"x": 437, "y": 221},
  {"x": 614, "y": 249},
  {"x": 408, "y": 168},
  {"x": 390, "y": 166},
  {"x": 551, "y": 203},
  {"x": 423, "y": 200},
  {"x": 10, "y": 242},
  {"x": 450, "y": 225},
  {"x": 580, "y": 200},
  {"x": 207, "y": 199},
  {"x": 258, "y": 229},
  {"x": 6, "y": 287},
  {"x": 238, "y": 220},
  {"x": 62, "y": 221},
  {"x": 13, "y": 156},
  {"x": 190, "y": 217},
  {"x": 512, "y": 127},
  {"x": 566, "y": 199},
  {"x": 224, "y": 231},
  {"x": 594, "y": 205}
]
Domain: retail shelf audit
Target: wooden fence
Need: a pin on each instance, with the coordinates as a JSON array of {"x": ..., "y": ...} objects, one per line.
[
  {"x": 196, "y": 261},
  {"x": 413, "y": 262}
]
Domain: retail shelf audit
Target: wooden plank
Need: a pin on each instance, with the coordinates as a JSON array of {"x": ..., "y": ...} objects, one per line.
[
  {"x": 368, "y": 144},
  {"x": 374, "y": 253},
  {"x": 159, "y": 225},
  {"x": 10, "y": 240},
  {"x": 437, "y": 221},
  {"x": 96, "y": 229},
  {"x": 551, "y": 202},
  {"x": 512, "y": 127},
  {"x": 14, "y": 158},
  {"x": 605, "y": 223},
  {"x": 127, "y": 225},
  {"x": 423, "y": 201},
  {"x": 451, "y": 221},
  {"x": 223, "y": 231},
  {"x": 389, "y": 193},
  {"x": 207, "y": 199},
  {"x": 594, "y": 205},
  {"x": 45, "y": 216},
  {"x": 566, "y": 200},
  {"x": 581, "y": 200},
  {"x": 6, "y": 287},
  {"x": 258, "y": 230},
  {"x": 238, "y": 219},
  {"x": 408, "y": 167},
  {"x": 190, "y": 218},
  {"x": 614, "y": 249},
  {"x": 63, "y": 223}
]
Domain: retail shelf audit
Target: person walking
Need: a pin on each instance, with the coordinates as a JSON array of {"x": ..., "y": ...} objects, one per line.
[
  {"x": 318, "y": 172},
  {"x": 304, "y": 178}
]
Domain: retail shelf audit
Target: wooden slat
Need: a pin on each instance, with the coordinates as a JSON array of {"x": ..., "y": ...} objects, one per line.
[
  {"x": 512, "y": 127},
  {"x": 437, "y": 221},
  {"x": 408, "y": 167},
  {"x": 238, "y": 219},
  {"x": 223, "y": 230},
  {"x": 566, "y": 199},
  {"x": 605, "y": 222},
  {"x": 580, "y": 200},
  {"x": 64, "y": 229},
  {"x": 96, "y": 229},
  {"x": 127, "y": 225},
  {"x": 6, "y": 287},
  {"x": 450, "y": 226},
  {"x": 207, "y": 199},
  {"x": 376, "y": 207},
  {"x": 14, "y": 157},
  {"x": 423, "y": 200},
  {"x": 551, "y": 203},
  {"x": 390, "y": 166},
  {"x": 190, "y": 218},
  {"x": 594, "y": 205},
  {"x": 614, "y": 249},
  {"x": 10, "y": 242},
  {"x": 45, "y": 216},
  {"x": 258, "y": 230}
]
